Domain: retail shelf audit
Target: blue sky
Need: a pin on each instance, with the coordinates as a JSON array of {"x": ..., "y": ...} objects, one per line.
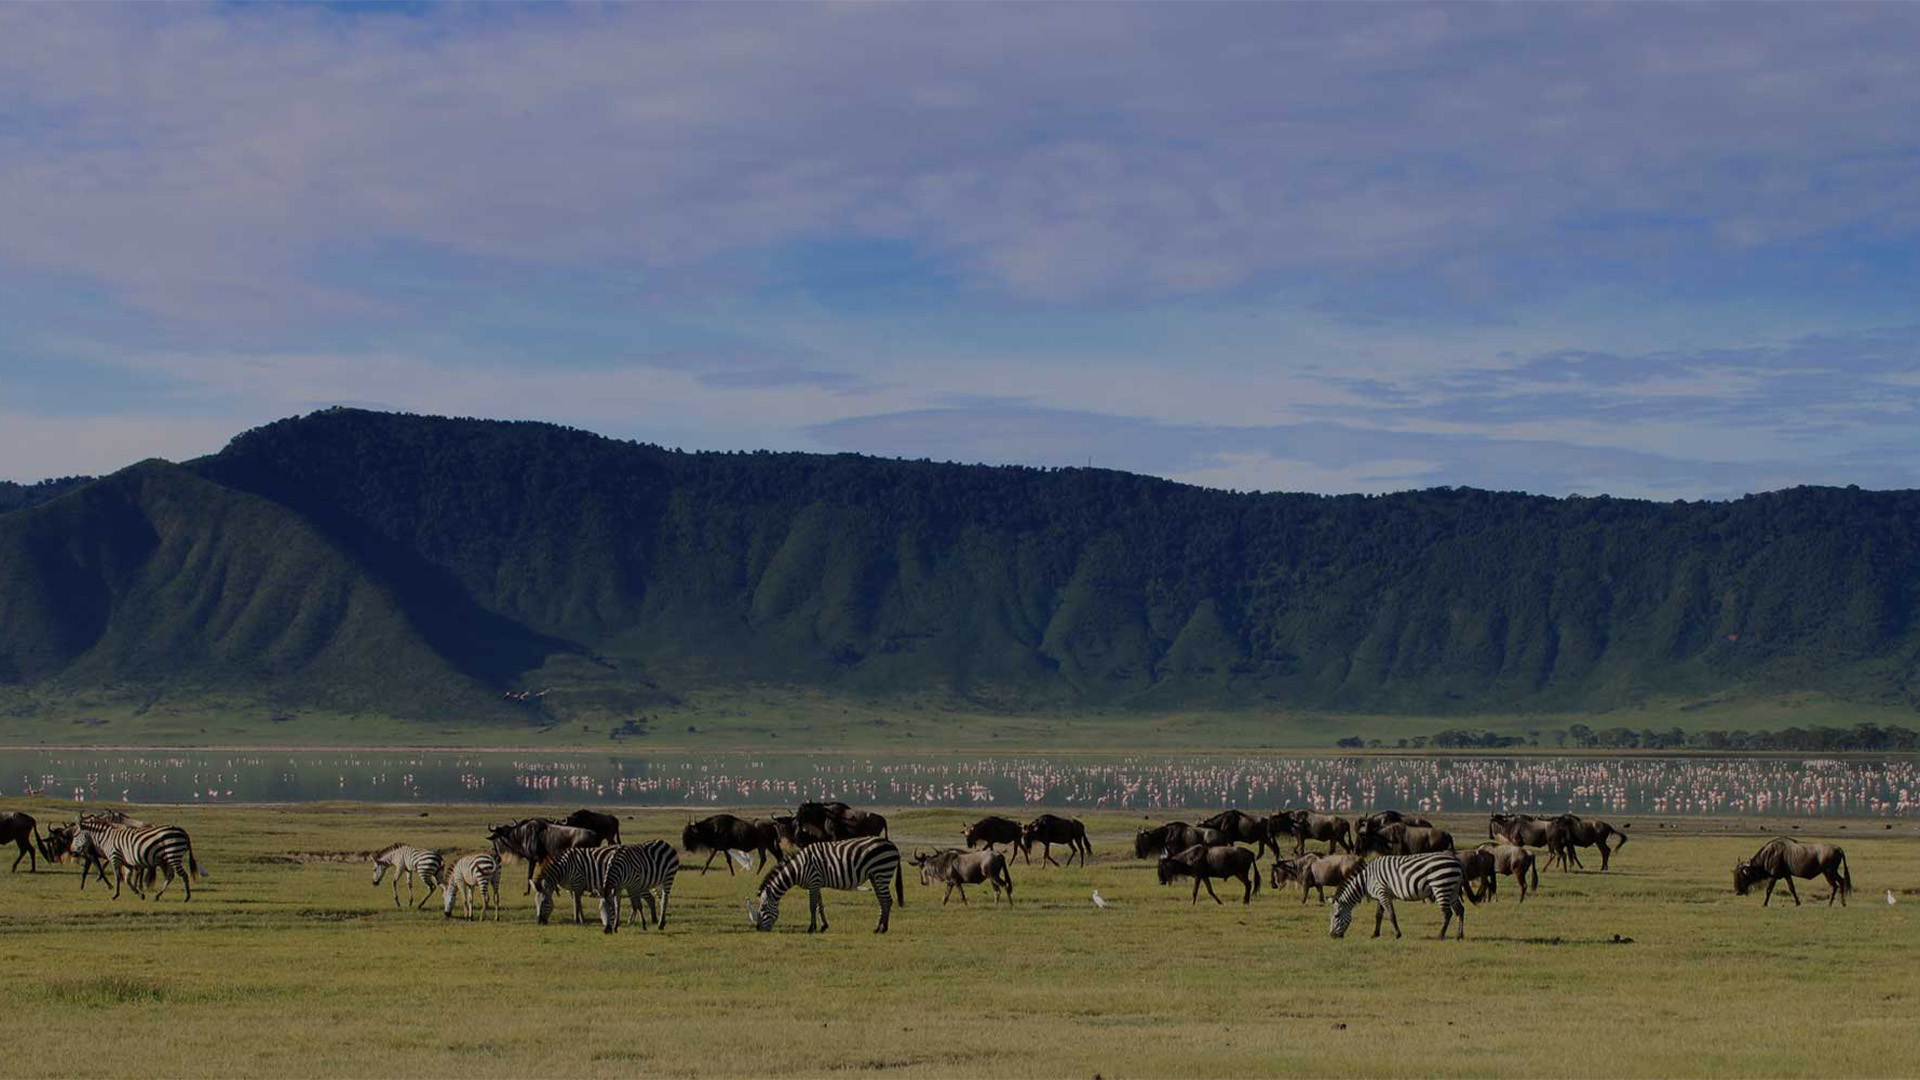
[{"x": 1649, "y": 250}]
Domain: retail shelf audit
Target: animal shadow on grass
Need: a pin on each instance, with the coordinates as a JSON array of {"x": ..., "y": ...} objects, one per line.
[{"x": 1614, "y": 939}]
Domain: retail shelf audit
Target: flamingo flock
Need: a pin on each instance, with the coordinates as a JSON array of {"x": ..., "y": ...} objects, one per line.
[{"x": 1680, "y": 785}]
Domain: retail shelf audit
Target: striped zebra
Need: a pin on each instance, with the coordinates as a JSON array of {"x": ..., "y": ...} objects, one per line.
[
  {"x": 635, "y": 869},
  {"x": 1435, "y": 875},
  {"x": 648, "y": 867},
  {"x": 411, "y": 863},
  {"x": 479, "y": 871},
  {"x": 143, "y": 849},
  {"x": 832, "y": 864}
]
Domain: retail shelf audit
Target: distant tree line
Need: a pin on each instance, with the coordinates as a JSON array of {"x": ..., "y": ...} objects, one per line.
[{"x": 1860, "y": 737}]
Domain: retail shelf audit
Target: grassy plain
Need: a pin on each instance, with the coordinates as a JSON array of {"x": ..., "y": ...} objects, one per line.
[
  {"x": 286, "y": 963},
  {"x": 799, "y": 719}
]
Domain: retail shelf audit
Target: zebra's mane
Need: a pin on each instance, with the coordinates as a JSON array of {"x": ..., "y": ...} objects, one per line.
[{"x": 388, "y": 850}]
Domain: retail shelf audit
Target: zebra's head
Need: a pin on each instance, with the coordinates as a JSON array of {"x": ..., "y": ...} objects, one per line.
[
  {"x": 447, "y": 892},
  {"x": 1344, "y": 902},
  {"x": 763, "y": 911},
  {"x": 542, "y": 905}
]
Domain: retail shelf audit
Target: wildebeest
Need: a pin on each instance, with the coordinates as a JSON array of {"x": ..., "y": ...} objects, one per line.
[
  {"x": 607, "y": 825},
  {"x": 992, "y": 829},
  {"x": 1203, "y": 863},
  {"x": 1395, "y": 817},
  {"x": 959, "y": 868},
  {"x": 1174, "y": 836},
  {"x": 1568, "y": 831},
  {"x": 1240, "y": 827},
  {"x": 1050, "y": 829},
  {"x": 1781, "y": 859},
  {"x": 815, "y": 821},
  {"x": 1306, "y": 825},
  {"x": 1314, "y": 872},
  {"x": 1524, "y": 830},
  {"x": 1510, "y": 859},
  {"x": 534, "y": 839},
  {"x": 1399, "y": 838},
  {"x": 21, "y": 829},
  {"x": 722, "y": 833}
]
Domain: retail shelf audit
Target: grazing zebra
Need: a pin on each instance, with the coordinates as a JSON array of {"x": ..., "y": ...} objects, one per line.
[
  {"x": 1435, "y": 874},
  {"x": 833, "y": 864},
  {"x": 143, "y": 849},
  {"x": 635, "y": 869},
  {"x": 410, "y": 862},
  {"x": 479, "y": 871}
]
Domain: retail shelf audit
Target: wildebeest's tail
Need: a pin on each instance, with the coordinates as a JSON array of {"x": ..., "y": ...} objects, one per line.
[
  {"x": 1533, "y": 866},
  {"x": 1621, "y": 832},
  {"x": 1846, "y": 875}
]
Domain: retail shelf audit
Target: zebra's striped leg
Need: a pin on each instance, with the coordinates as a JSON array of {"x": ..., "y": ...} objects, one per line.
[
  {"x": 120, "y": 874},
  {"x": 396, "y": 890},
  {"x": 820, "y": 904},
  {"x": 885, "y": 895},
  {"x": 666, "y": 893},
  {"x": 1392, "y": 915},
  {"x": 167, "y": 884}
]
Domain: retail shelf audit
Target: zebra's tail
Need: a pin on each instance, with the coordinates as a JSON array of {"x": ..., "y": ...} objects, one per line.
[{"x": 900, "y": 883}]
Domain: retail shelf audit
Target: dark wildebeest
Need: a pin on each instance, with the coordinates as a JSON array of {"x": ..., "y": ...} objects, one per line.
[
  {"x": 58, "y": 847},
  {"x": 1243, "y": 828},
  {"x": 1314, "y": 872},
  {"x": 1400, "y": 838},
  {"x": 992, "y": 830},
  {"x": 724, "y": 833},
  {"x": 1569, "y": 831},
  {"x": 793, "y": 834},
  {"x": 23, "y": 831},
  {"x": 1050, "y": 829},
  {"x": 1509, "y": 859},
  {"x": 1523, "y": 830},
  {"x": 1781, "y": 859},
  {"x": 961, "y": 868},
  {"x": 1203, "y": 864},
  {"x": 836, "y": 821},
  {"x": 1174, "y": 836},
  {"x": 607, "y": 825},
  {"x": 534, "y": 839},
  {"x": 1306, "y": 825},
  {"x": 1395, "y": 817}
]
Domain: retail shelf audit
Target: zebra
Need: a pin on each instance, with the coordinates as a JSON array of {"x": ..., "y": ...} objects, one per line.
[
  {"x": 644, "y": 868},
  {"x": 410, "y": 862},
  {"x": 1435, "y": 875},
  {"x": 142, "y": 849},
  {"x": 479, "y": 871},
  {"x": 604, "y": 871},
  {"x": 833, "y": 864}
]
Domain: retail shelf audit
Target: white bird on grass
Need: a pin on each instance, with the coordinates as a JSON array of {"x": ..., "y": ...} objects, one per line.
[
  {"x": 1890, "y": 899},
  {"x": 745, "y": 860},
  {"x": 1098, "y": 900}
]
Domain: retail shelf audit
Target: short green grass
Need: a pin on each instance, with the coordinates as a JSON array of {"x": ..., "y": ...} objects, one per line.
[
  {"x": 286, "y": 963},
  {"x": 798, "y": 719}
]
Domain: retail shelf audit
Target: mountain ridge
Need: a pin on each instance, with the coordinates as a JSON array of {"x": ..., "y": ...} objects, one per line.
[{"x": 465, "y": 559}]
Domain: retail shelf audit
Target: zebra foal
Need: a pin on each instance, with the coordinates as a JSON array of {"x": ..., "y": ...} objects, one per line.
[
  {"x": 411, "y": 862},
  {"x": 479, "y": 871},
  {"x": 1435, "y": 875},
  {"x": 833, "y": 864}
]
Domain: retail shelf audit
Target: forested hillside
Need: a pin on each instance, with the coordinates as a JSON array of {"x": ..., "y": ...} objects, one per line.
[{"x": 415, "y": 565}]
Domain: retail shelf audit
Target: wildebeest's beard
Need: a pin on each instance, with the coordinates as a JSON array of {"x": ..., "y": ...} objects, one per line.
[{"x": 1743, "y": 878}]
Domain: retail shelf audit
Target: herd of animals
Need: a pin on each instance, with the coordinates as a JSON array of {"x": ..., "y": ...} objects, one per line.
[{"x": 1384, "y": 856}]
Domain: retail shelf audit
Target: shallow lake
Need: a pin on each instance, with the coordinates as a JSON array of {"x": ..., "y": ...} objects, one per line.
[{"x": 1684, "y": 785}]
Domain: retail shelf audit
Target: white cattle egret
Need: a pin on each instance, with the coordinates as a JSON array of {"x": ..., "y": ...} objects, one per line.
[
  {"x": 1098, "y": 900},
  {"x": 1890, "y": 900},
  {"x": 745, "y": 860}
]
